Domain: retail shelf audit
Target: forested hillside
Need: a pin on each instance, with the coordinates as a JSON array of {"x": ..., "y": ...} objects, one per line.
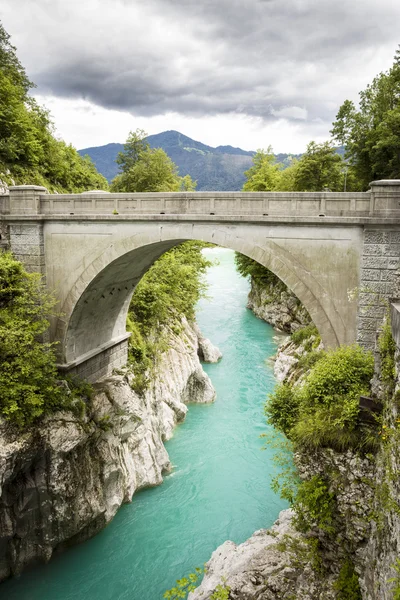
[
  {"x": 29, "y": 151},
  {"x": 220, "y": 168}
]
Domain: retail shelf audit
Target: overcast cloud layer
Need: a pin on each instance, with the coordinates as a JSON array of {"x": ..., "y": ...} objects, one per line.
[{"x": 269, "y": 62}]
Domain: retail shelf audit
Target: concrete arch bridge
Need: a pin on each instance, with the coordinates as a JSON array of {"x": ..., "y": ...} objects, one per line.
[{"x": 338, "y": 252}]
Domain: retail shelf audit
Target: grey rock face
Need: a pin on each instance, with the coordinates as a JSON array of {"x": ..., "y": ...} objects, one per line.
[
  {"x": 287, "y": 359},
  {"x": 272, "y": 564},
  {"x": 277, "y": 305},
  {"x": 380, "y": 574},
  {"x": 63, "y": 481},
  {"x": 208, "y": 353}
]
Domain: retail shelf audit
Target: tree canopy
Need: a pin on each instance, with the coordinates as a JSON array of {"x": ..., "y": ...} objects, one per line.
[
  {"x": 318, "y": 169},
  {"x": 29, "y": 151},
  {"x": 145, "y": 169},
  {"x": 264, "y": 175},
  {"x": 371, "y": 133}
]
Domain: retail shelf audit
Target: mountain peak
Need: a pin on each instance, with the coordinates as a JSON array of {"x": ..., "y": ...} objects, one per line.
[{"x": 214, "y": 169}]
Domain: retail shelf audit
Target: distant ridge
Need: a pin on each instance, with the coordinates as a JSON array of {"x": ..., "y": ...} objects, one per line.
[{"x": 214, "y": 169}]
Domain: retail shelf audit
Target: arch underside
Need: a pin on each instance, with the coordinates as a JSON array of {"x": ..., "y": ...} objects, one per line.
[{"x": 95, "y": 309}]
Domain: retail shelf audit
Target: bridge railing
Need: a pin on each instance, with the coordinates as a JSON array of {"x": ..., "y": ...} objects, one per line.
[{"x": 382, "y": 200}]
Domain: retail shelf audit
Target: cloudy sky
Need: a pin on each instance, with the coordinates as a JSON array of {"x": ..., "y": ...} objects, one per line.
[{"x": 244, "y": 72}]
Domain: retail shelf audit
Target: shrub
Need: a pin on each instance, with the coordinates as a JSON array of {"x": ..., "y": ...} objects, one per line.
[
  {"x": 282, "y": 408},
  {"x": 347, "y": 584},
  {"x": 396, "y": 580},
  {"x": 184, "y": 586},
  {"x": 309, "y": 359},
  {"x": 314, "y": 505},
  {"x": 304, "y": 333},
  {"x": 324, "y": 410},
  {"x": 29, "y": 386},
  {"x": 387, "y": 348}
]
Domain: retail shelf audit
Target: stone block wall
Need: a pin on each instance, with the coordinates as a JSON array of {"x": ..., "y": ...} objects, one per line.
[
  {"x": 379, "y": 281},
  {"x": 27, "y": 245},
  {"x": 4, "y": 236},
  {"x": 101, "y": 365}
]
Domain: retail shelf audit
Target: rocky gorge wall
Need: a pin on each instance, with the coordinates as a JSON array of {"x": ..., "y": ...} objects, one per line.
[
  {"x": 62, "y": 481},
  {"x": 277, "y": 305},
  {"x": 356, "y": 555}
]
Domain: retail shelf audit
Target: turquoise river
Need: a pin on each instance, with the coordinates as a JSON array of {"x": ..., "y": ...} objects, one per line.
[{"x": 219, "y": 488}]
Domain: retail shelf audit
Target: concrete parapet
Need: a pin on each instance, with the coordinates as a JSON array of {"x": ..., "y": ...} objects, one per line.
[{"x": 210, "y": 203}]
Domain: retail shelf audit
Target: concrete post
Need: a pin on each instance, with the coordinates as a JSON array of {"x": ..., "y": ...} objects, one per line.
[
  {"x": 385, "y": 197},
  {"x": 25, "y": 199}
]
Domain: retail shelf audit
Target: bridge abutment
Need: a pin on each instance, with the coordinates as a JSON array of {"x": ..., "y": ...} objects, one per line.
[{"x": 100, "y": 364}]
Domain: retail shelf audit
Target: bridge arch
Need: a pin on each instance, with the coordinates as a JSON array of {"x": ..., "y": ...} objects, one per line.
[{"x": 95, "y": 309}]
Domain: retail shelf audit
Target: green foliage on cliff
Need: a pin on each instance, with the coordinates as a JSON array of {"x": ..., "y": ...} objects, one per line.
[
  {"x": 184, "y": 586},
  {"x": 168, "y": 291},
  {"x": 29, "y": 386},
  {"x": 306, "y": 334},
  {"x": 314, "y": 505},
  {"x": 29, "y": 151},
  {"x": 189, "y": 583},
  {"x": 387, "y": 349},
  {"x": 248, "y": 267},
  {"x": 347, "y": 585},
  {"x": 171, "y": 288},
  {"x": 324, "y": 410},
  {"x": 145, "y": 169},
  {"x": 282, "y": 408}
]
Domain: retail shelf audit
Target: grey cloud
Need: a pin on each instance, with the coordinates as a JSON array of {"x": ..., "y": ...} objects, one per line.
[{"x": 263, "y": 58}]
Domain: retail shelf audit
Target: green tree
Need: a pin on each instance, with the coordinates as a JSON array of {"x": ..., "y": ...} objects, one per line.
[
  {"x": 28, "y": 148},
  {"x": 287, "y": 176},
  {"x": 371, "y": 133},
  {"x": 134, "y": 147},
  {"x": 319, "y": 168},
  {"x": 264, "y": 175},
  {"x": 10, "y": 65},
  {"x": 145, "y": 169}
]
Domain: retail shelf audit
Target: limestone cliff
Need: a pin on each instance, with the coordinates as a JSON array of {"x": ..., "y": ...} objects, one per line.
[
  {"x": 63, "y": 481},
  {"x": 277, "y": 305},
  {"x": 282, "y": 563}
]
